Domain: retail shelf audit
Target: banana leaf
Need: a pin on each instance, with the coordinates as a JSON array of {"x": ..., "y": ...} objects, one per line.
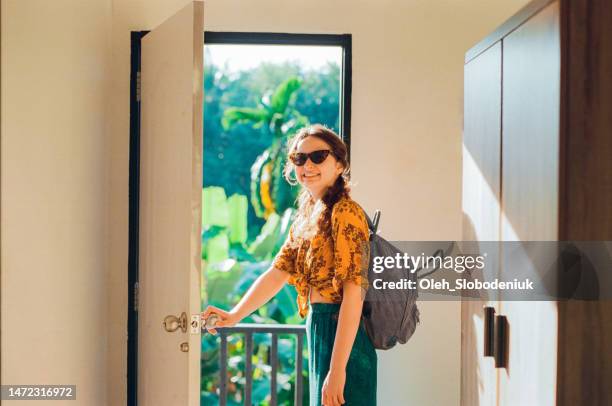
[
  {"x": 264, "y": 244},
  {"x": 239, "y": 115},
  {"x": 237, "y": 227},
  {"x": 214, "y": 207},
  {"x": 221, "y": 281},
  {"x": 216, "y": 249},
  {"x": 282, "y": 95}
]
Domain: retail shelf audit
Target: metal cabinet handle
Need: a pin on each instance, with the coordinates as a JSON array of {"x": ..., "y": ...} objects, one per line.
[
  {"x": 489, "y": 331},
  {"x": 501, "y": 342}
]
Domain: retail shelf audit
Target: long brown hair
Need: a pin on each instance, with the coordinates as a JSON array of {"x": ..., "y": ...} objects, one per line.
[{"x": 312, "y": 217}]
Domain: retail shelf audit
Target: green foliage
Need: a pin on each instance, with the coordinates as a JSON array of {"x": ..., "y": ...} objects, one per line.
[
  {"x": 229, "y": 274},
  {"x": 264, "y": 244},
  {"x": 283, "y": 94},
  {"x": 224, "y": 224},
  {"x": 235, "y": 115},
  {"x": 277, "y": 116},
  {"x": 237, "y": 207},
  {"x": 215, "y": 211},
  {"x": 284, "y": 196},
  {"x": 256, "y": 175},
  {"x": 228, "y": 153}
]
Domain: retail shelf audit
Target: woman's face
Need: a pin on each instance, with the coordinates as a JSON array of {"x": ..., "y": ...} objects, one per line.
[{"x": 317, "y": 177}]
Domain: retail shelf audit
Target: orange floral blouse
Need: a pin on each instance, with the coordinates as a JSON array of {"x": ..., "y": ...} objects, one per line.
[{"x": 325, "y": 262}]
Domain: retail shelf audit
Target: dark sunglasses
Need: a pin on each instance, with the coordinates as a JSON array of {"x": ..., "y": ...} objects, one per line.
[{"x": 317, "y": 157}]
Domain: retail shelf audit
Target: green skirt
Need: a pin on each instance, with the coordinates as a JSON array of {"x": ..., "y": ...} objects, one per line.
[{"x": 360, "y": 386}]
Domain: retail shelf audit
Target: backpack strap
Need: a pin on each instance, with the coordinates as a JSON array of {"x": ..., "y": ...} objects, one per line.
[
  {"x": 376, "y": 220},
  {"x": 372, "y": 224}
]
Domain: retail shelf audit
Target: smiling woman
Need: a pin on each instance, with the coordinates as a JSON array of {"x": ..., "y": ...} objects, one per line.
[{"x": 325, "y": 257}]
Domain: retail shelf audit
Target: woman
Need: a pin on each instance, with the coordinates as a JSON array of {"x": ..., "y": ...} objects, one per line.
[{"x": 325, "y": 257}]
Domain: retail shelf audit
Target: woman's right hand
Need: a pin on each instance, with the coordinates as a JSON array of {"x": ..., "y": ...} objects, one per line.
[{"x": 226, "y": 319}]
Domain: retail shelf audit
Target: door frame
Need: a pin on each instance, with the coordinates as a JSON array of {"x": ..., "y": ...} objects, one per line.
[{"x": 210, "y": 37}]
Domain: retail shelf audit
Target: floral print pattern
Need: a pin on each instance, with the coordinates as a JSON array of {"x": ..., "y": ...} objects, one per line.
[{"x": 326, "y": 261}]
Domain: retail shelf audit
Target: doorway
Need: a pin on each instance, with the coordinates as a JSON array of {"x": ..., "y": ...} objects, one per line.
[{"x": 342, "y": 126}]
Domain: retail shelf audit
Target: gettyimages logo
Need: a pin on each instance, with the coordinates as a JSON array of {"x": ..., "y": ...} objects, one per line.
[
  {"x": 412, "y": 263},
  {"x": 485, "y": 270}
]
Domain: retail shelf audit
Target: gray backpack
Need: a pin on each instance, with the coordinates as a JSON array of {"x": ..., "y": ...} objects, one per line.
[{"x": 390, "y": 316}]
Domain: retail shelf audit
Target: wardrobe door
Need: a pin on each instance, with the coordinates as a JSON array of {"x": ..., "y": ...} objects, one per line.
[
  {"x": 481, "y": 211},
  {"x": 530, "y": 173}
]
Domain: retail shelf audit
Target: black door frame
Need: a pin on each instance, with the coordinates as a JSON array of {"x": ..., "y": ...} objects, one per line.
[{"x": 210, "y": 37}]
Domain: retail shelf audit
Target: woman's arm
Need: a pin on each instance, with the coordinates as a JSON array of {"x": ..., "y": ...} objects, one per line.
[
  {"x": 261, "y": 291},
  {"x": 348, "y": 324}
]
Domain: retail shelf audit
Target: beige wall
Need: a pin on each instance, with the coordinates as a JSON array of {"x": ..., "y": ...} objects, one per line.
[
  {"x": 60, "y": 211},
  {"x": 55, "y": 78}
]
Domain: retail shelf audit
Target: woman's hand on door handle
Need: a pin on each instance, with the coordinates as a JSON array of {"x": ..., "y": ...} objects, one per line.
[{"x": 223, "y": 319}]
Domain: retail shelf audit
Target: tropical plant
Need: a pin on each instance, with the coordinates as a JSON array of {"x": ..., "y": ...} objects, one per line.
[
  {"x": 232, "y": 266},
  {"x": 276, "y": 116}
]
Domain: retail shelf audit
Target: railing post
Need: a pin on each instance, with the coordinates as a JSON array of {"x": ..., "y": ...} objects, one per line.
[
  {"x": 273, "y": 364},
  {"x": 248, "y": 338},
  {"x": 223, "y": 369},
  {"x": 298, "y": 369}
]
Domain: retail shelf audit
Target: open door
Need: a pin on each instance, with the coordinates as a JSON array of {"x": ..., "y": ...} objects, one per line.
[{"x": 170, "y": 210}]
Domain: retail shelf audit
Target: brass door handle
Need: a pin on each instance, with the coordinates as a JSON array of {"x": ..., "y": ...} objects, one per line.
[{"x": 172, "y": 323}]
